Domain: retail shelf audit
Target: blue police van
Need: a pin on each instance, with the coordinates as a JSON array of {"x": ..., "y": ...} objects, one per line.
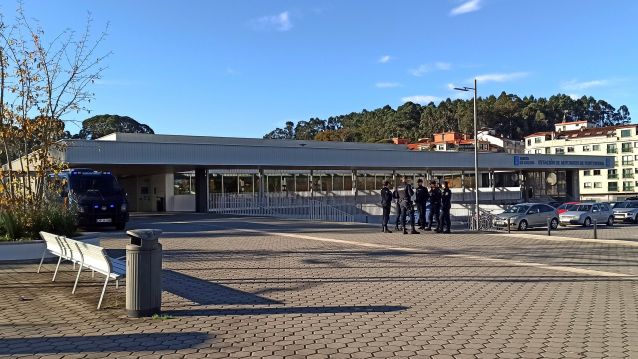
[{"x": 98, "y": 197}]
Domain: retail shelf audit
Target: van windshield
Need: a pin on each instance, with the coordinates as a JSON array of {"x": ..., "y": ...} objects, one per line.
[{"x": 104, "y": 184}]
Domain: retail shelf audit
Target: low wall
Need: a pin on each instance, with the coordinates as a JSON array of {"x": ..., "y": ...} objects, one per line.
[{"x": 32, "y": 250}]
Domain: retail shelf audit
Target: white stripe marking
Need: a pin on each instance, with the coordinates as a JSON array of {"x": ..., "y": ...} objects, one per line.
[
  {"x": 590, "y": 272},
  {"x": 567, "y": 239}
]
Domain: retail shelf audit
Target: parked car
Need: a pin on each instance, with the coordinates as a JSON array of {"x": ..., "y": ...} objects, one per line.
[
  {"x": 526, "y": 215},
  {"x": 626, "y": 211},
  {"x": 564, "y": 207},
  {"x": 585, "y": 213}
]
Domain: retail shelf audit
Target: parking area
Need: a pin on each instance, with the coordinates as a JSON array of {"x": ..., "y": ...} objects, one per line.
[{"x": 262, "y": 287}]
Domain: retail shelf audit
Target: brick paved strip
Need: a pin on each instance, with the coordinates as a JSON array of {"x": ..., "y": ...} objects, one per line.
[
  {"x": 590, "y": 272},
  {"x": 567, "y": 239}
]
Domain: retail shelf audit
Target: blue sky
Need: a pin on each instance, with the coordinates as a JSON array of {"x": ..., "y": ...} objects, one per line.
[{"x": 242, "y": 68}]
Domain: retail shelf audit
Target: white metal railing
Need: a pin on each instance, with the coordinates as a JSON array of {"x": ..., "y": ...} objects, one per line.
[{"x": 291, "y": 206}]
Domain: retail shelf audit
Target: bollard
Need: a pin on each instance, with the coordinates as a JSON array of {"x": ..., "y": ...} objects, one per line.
[
  {"x": 509, "y": 228},
  {"x": 595, "y": 229},
  {"x": 549, "y": 226}
]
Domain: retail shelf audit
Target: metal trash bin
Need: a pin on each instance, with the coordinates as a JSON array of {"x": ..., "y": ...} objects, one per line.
[{"x": 143, "y": 273}]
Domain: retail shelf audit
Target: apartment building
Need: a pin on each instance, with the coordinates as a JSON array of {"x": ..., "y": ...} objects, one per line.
[{"x": 582, "y": 138}]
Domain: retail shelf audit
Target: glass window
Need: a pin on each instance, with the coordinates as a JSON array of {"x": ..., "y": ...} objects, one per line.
[
  {"x": 246, "y": 183},
  {"x": 570, "y": 148},
  {"x": 612, "y": 186},
  {"x": 559, "y": 150},
  {"x": 230, "y": 184},
  {"x": 529, "y": 141},
  {"x": 347, "y": 183},
  {"x": 370, "y": 186},
  {"x": 326, "y": 183},
  {"x": 301, "y": 183},
  {"x": 596, "y": 172},
  {"x": 538, "y": 151},
  {"x": 587, "y": 184},
  {"x": 274, "y": 183},
  {"x": 627, "y": 147},
  {"x": 184, "y": 183},
  {"x": 538, "y": 140},
  {"x": 611, "y": 148},
  {"x": 548, "y": 151},
  {"x": 586, "y": 148},
  {"x": 288, "y": 183},
  {"x": 595, "y": 147},
  {"x": 587, "y": 173},
  {"x": 625, "y": 133},
  {"x": 214, "y": 183},
  {"x": 598, "y": 185}
]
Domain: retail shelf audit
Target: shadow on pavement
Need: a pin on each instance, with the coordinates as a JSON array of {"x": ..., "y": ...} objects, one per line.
[
  {"x": 205, "y": 292},
  {"x": 288, "y": 310},
  {"x": 103, "y": 343}
]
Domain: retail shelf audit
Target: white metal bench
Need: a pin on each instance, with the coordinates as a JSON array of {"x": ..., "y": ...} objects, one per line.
[{"x": 87, "y": 256}]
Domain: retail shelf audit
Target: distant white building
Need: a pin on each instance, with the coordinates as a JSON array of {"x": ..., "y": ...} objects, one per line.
[
  {"x": 500, "y": 143},
  {"x": 582, "y": 138}
]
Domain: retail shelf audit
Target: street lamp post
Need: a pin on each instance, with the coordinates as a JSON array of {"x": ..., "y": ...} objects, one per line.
[{"x": 476, "y": 144}]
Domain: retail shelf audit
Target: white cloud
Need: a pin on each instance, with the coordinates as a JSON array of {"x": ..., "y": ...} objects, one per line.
[
  {"x": 466, "y": 7},
  {"x": 385, "y": 85},
  {"x": 422, "y": 99},
  {"x": 279, "y": 22},
  {"x": 499, "y": 77},
  {"x": 425, "y": 68},
  {"x": 574, "y": 85},
  {"x": 385, "y": 59},
  {"x": 574, "y": 96}
]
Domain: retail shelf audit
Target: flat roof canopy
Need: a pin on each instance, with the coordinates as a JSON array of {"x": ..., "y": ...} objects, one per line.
[{"x": 146, "y": 153}]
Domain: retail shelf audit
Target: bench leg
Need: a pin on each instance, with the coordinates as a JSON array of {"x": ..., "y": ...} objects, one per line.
[
  {"x": 56, "y": 269},
  {"x": 77, "y": 278},
  {"x": 42, "y": 260},
  {"x": 106, "y": 281}
]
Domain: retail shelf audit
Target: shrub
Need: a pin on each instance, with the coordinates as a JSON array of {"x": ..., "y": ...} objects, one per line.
[{"x": 27, "y": 224}]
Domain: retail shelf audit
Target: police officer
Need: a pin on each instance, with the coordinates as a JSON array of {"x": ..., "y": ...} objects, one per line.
[
  {"x": 435, "y": 205},
  {"x": 405, "y": 192},
  {"x": 386, "y": 205},
  {"x": 445, "y": 223},
  {"x": 421, "y": 200}
]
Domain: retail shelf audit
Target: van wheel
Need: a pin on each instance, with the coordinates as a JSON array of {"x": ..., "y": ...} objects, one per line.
[
  {"x": 587, "y": 222},
  {"x": 522, "y": 226},
  {"x": 554, "y": 223},
  {"x": 610, "y": 221}
]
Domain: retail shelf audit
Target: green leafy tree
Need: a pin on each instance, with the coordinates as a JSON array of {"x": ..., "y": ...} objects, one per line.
[{"x": 102, "y": 125}]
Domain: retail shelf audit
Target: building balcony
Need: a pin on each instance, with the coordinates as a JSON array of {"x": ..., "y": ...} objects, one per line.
[
  {"x": 612, "y": 150},
  {"x": 627, "y": 163},
  {"x": 627, "y": 175},
  {"x": 628, "y": 150},
  {"x": 612, "y": 176},
  {"x": 628, "y": 189}
]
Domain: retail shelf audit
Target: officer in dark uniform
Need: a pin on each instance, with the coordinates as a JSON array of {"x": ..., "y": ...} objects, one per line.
[
  {"x": 386, "y": 205},
  {"x": 395, "y": 194},
  {"x": 445, "y": 222},
  {"x": 435, "y": 205},
  {"x": 405, "y": 192},
  {"x": 421, "y": 200}
]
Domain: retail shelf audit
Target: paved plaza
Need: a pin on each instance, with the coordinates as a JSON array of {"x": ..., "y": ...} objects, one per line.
[{"x": 268, "y": 288}]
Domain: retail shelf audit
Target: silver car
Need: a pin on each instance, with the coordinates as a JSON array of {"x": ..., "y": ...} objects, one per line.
[
  {"x": 586, "y": 213},
  {"x": 526, "y": 215},
  {"x": 626, "y": 211}
]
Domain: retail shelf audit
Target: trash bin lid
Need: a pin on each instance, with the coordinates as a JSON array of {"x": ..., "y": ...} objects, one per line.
[{"x": 144, "y": 234}]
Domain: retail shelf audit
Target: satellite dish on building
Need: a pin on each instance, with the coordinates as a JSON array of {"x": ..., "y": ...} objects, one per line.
[{"x": 551, "y": 179}]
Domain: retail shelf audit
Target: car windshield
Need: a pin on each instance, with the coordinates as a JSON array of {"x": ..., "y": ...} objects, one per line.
[
  {"x": 564, "y": 206},
  {"x": 580, "y": 207},
  {"x": 626, "y": 205},
  {"x": 104, "y": 184},
  {"x": 517, "y": 209}
]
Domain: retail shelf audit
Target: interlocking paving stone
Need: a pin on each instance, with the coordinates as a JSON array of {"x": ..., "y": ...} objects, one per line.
[{"x": 336, "y": 291}]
